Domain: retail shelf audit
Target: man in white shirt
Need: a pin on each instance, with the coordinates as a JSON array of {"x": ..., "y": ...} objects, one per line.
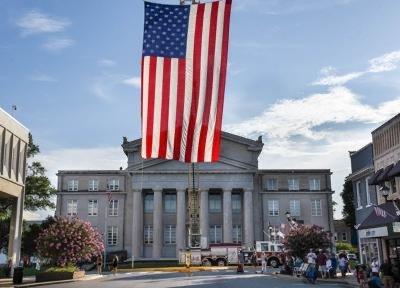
[
  {"x": 311, "y": 256},
  {"x": 375, "y": 266}
]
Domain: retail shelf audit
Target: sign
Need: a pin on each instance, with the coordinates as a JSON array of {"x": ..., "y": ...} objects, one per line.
[
  {"x": 396, "y": 227},
  {"x": 374, "y": 232}
]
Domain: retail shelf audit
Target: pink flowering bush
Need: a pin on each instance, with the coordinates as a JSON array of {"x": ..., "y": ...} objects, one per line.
[{"x": 68, "y": 241}]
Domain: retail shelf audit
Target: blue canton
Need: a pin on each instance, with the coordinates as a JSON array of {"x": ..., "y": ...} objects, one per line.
[{"x": 165, "y": 30}]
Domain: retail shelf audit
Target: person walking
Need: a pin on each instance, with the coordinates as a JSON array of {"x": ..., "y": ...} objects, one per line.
[
  {"x": 263, "y": 263},
  {"x": 387, "y": 274},
  {"x": 115, "y": 265},
  {"x": 99, "y": 264},
  {"x": 361, "y": 275},
  {"x": 321, "y": 263},
  {"x": 343, "y": 264},
  {"x": 311, "y": 272},
  {"x": 375, "y": 266},
  {"x": 311, "y": 257}
]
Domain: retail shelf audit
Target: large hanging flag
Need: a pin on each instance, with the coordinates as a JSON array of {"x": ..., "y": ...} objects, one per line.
[{"x": 184, "y": 63}]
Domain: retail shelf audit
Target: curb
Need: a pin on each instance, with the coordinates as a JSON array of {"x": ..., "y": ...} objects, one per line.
[
  {"x": 345, "y": 282},
  {"x": 35, "y": 284}
]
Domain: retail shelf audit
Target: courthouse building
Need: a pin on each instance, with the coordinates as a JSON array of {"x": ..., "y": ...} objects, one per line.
[
  {"x": 147, "y": 211},
  {"x": 13, "y": 146}
]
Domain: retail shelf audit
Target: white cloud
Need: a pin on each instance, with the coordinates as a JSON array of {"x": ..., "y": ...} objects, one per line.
[
  {"x": 57, "y": 44},
  {"x": 106, "y": 62},
  {"x": 133, "y": 81},
  {"x": 35, "y": 22},
  {"x": 40, "y": 77},
  {"x": 384, "y": 63}
]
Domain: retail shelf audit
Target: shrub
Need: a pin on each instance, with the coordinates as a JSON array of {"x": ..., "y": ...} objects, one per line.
[
  {"x": 68, "y": 241},
  {"x": 300, "y": 240}
]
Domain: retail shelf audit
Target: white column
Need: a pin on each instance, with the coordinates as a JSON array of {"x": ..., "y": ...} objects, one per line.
[
  {"x": 248, "y": 218},
  {"x": 227, "y": 205},
  {"x": 204, "y": 223},
  {"x": 157, "y": 225},
  {"x": 137, "y": 224},
  {"x": 180, "y": 220},
  {"x": 14, "y": 245}
]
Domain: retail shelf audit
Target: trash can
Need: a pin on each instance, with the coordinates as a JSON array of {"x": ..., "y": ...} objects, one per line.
[{"x": 18, "y": 275}]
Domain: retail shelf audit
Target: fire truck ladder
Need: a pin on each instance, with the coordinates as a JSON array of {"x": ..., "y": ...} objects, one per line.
[{"x": 193, "y": 208}]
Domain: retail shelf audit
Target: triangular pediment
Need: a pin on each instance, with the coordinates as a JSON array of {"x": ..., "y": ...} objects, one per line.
[{"x": 237, "y": 153}]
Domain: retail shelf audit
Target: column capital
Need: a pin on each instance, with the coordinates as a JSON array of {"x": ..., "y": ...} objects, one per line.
[{"x": 157, "y": 190}]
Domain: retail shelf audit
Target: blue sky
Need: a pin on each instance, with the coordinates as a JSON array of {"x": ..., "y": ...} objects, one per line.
[{"x": 314, "y": 77}]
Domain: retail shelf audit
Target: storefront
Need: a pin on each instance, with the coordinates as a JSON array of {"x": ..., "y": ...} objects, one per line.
[{"x": 393, "y": 243}]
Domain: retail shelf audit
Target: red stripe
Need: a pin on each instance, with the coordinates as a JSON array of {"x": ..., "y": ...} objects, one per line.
[
  {"x": 222, "y": 82},
  {"x": 150, "y": 109},
  {"x": 196, "y": 80},
  {"x": 162, "y": 150},
  {"x": 141, "y": 91},
  {"x": 180, "y": 101},
  {"x": 209, "y": 86}
]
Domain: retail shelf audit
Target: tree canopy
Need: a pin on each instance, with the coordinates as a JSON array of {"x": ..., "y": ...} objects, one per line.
[{"x": 348, "y": 212}]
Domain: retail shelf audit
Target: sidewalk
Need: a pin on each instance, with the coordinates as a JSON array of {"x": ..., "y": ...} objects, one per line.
[
  {"x": 350, "y": 279},
  {"x": 30, "y": 281}
]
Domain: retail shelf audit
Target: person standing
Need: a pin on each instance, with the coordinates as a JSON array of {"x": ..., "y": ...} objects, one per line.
[
  {"x": 321, "y": 262},
  {"x": 311, "y": 257},
  {"x": 254, "y": 261},
  {"x": 343, "y": 265},
  {"x": 263, "y": 263},
  {"x": 361, "y": 275},
  {"x": 387, "y": 274},
  {"x": 375, "y": 266},
  {"x": 115, "y": 265},
  {"x": 99, "y": 264}
]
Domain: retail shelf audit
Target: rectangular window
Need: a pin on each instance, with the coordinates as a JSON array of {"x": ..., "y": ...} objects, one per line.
[
  {"x": 367, "y": 191},
  {"x": 316, "y": 208},
  {"x": 215, "y": 203},
  {"x": 93, "y": 208},
  {"x": 344, "y": 236},
  {"x": 293, "y": 184},
  {"x": 148, "y": 203},
  {"x": 73, "y": 185},
  {"x": 170, "y": 234},
  {"x": 113, "y": 208},
  {"x": 72, "y": 207},
  {"x": 112, "y": 235},
  {"x": 358, "y": 192},
  {"x": 315, "y": 184},
  {"x": 93, "y": 185},
  {"x": 236, "y": 203},
  {"x": 113, "y": 185},
  {"x": 237, "y": 234},
  {"x": 148, "y": 234},
  {"x": 215, "y": 234},
  {"x": 273, "y": 207},
  {"x": 272, "y": 184},
  {"x": 295, "y": 207},
  {"x": 170, "y": 203}
]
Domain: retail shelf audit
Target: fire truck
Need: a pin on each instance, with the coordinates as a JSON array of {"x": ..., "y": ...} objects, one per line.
[{"x": 273, "y": 252}]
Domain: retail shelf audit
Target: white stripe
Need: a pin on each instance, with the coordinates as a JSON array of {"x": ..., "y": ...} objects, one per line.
[
  {"x": 203, "y": 80},
  {"x": 216, "y": 79},
  {"x": 188, "y": 79},
  {"x": 157, "y": 107},
  {"x": 173, "y": 90},
  {"x": 145, "y": 89}
]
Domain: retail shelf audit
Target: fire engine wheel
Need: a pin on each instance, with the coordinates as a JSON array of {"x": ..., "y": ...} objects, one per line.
[
  {"x": 206, "y": 262},
  {"x": 221, "y": 262},
  {"x": 274, "y": 263}
]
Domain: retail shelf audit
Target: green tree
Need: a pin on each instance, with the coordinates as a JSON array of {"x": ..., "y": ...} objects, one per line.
[
  {"x": 39, "y": 192},
  {"x": 348, "y": 212},
  {"x": 300, "y": 240}
]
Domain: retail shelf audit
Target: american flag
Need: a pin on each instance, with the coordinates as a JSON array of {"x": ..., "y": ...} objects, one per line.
[{"x": 184, "y": 63}]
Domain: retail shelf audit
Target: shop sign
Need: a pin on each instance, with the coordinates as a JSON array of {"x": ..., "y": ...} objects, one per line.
[
  {"x": 396, "y": 227},
  {"x": 374, "y": 232}
]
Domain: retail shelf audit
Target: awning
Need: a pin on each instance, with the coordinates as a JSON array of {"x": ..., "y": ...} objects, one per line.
[
  {"x": 385, "y": 174},
  {"x": 381, "y": 215},
  {"x": 373, "y": 180},
  {"x": 395, "y": 172}
]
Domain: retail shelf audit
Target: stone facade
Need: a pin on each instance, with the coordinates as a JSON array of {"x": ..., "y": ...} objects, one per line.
[
  {"x": 236, "y": 204},
  {"x": 13, "y": 144}
]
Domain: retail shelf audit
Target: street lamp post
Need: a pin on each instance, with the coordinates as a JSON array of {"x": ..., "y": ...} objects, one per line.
[{"x": 270, "y": 232}]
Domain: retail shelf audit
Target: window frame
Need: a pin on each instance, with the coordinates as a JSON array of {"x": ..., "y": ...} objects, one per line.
[
  {"x": 146, "y": 202},
  {"x": 214, "y": 231},
  {"x": 112, "y": 235},
  {"x": 273, "y": 210},
  {"x": 112, "y": 208},
  {"x": 173, "y": 199},
  {"x": 314, "y": 184},
  {"x": 113, "y": 184},
  {"x": 236, "y": 198},
  {"x": 148, "y": 235},
  {"x": 237, "y": 233},
  {"x": 92, "y": 187},
  {"x": 74, "y": 187},
  {"x": 292, "y": 186},
  {"x": 273, "y": 187},
  {"x": 214, "y": 198},
  {"x": 293, "y": 211},
  {"x": 72, "y": 205},
  {"x": 170, "y": 235},
  {"x": 93, "y": 207},
  {"x": 358, "y": 194},
  {"x": 368, "y": 191},
  {"x": 314, "y": 209}
]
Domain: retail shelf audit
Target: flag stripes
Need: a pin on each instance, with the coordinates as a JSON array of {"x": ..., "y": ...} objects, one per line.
[{"x": 182, "y": 98}]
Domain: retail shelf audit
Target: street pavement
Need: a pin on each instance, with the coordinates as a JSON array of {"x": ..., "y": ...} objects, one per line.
[{"x": 220, "y": 279}]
